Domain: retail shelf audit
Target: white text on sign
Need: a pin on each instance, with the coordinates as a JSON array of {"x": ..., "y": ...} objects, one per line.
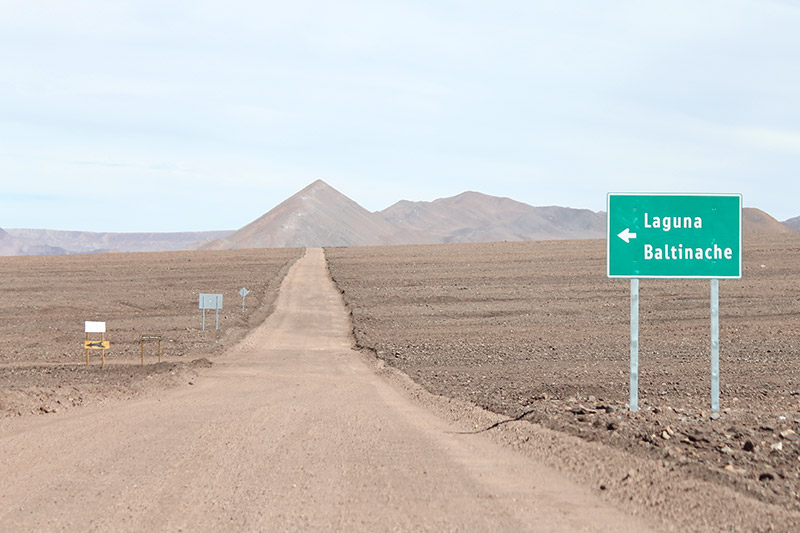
[{"x": 668, "y": 223}]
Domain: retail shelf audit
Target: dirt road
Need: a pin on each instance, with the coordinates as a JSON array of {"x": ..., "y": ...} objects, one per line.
[{"x": 290, "y": 430}]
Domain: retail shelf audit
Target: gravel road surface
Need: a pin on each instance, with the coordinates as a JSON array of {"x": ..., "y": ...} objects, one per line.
[{"x": 291, "y": 430}]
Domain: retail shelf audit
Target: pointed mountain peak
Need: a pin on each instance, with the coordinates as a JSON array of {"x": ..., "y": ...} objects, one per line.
[
  {"x": 317, "y": 191},
  {"x": 317, "y": 185},
  {"x": 317, "y": 215}
]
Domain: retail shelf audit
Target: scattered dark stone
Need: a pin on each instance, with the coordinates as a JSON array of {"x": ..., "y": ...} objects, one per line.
[
  {"x": 766, "y": 476},
  {"x": 602, "y": 487},
  {"x": 748, "y": 446},
  {"x": 647, "y": 438},
  {"x": 578, "y": 410},
  {"x": 612, "y": 426},
  {"x": 696, "y": 437}
]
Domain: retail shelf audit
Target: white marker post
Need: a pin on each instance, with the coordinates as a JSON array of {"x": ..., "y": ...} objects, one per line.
[{"x": 244, "y": 292}]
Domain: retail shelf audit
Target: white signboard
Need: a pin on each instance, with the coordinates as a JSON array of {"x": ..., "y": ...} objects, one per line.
[
  {"x": 95, "y": 327},
  {"x": 210, "y": 301}
]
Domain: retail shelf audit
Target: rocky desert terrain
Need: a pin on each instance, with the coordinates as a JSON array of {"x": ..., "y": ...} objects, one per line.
[
  {"x": 535, "y": 331},
  {"x": 46, "y": 299}
]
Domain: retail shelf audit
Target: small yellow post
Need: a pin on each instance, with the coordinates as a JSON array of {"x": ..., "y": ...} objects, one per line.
[
  {"x": 103, "y": 350},
  {"x": 87, "y": 350}
]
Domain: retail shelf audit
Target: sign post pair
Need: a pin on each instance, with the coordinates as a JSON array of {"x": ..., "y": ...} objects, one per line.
[
  {"x": 677, "y": 236},
  {"x": 210, "y": 301}
]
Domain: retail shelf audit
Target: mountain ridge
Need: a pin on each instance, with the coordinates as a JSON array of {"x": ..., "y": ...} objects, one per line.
[
  {"x": 61, "y": 242},
  {"x": 319, "y": 215},
  {"x": 316, "y": 216},
  {"x": 476, "y": 217},
  {"x": 792, "y": 223}
]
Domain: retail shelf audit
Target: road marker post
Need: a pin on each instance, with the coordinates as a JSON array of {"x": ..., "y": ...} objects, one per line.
[
  {"x": 244, "y": 292},
  {"x": 674, "y": 236}
]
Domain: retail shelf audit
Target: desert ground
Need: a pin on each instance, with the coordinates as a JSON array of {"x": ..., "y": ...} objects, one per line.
[
  {"x": 289, "y": 430},
  {"x": 536, "y": 331},
  {"x": 46, "y": 299},
  {"x": 523, "y": 345}
]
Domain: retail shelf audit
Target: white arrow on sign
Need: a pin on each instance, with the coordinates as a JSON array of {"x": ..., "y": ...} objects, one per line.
[{"x": 626, "y": 235}]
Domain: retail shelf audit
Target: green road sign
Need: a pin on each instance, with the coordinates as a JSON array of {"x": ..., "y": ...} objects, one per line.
[{"x": 674, "y": 236}]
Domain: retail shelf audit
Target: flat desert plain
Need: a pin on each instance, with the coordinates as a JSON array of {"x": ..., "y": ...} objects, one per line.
[
  {"x": 537, "y": 332},
  {"x": 45, "y": 300},
  {"x": 534, "y": 333}
]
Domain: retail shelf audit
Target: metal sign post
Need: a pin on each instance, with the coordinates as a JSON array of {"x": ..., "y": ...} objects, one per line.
[
  {"x": 210, "y": 301},
  {"x": 715, "y": 345},
  {"x": 686, "y": 236},
  {"x": 634, "y": 385}
]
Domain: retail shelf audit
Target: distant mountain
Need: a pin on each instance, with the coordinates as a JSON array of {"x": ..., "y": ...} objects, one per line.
[
  {"x": 10, "y": 245},
  {"x": 476, "y": 217},
  {"x": 318, "y": 215},
  {"x": 43, "y": 241},
  {"x": 793, "y": 223},
  {"x": 7, "y": 244},
  {"x": 757, "y": 221}
]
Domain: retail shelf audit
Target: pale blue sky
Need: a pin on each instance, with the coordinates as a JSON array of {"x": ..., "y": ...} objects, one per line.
[{"x": 195, "y": 115}]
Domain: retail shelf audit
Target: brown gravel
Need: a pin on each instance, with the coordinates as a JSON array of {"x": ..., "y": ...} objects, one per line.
[
  {"x": 536, "y": 332},
  {"x": 291, "y": 430},
  {"x": 44, "y": 302}
]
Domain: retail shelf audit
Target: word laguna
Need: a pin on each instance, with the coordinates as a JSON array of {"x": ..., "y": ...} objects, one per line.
[{"x": 668, "y": 223}]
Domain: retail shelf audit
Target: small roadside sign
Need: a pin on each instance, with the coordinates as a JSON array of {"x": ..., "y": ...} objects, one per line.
[
  {"x": 94, "y": 327},
  {"x": 102, "y": 344},
  {"x": 210, "y": 301}
]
